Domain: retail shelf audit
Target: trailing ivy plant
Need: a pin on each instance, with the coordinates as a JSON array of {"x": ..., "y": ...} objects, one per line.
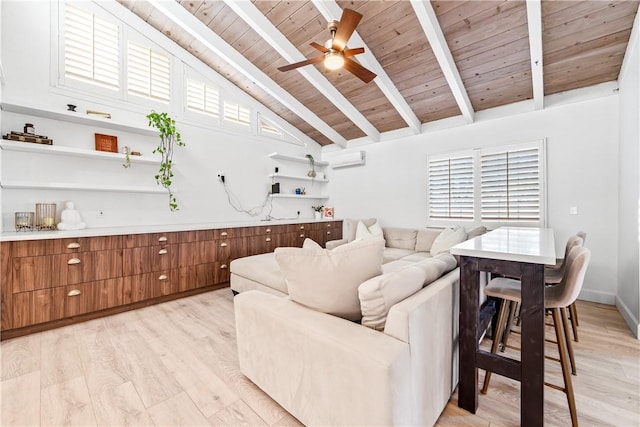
[{"x": 169, "y": 137}]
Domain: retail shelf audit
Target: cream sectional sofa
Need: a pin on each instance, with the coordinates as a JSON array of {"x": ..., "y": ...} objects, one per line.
[{"x": 326, "y": 370}]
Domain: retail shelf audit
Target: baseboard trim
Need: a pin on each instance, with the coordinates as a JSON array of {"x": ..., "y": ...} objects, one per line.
[
  {"x": 597, "y": 296},
  {"x": 628, "y": 317}
]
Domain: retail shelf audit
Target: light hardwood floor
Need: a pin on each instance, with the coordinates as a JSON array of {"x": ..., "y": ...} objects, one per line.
[{"x": 176, "y": 364}]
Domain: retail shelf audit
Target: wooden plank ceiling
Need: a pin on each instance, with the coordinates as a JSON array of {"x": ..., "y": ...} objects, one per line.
[{"x": 583, "y": 43}]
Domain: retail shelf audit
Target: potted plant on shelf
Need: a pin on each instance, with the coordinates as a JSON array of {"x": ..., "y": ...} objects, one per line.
[
  {"x": 312, "y": 163},
  {"x": 169, "y": 137},
  {"x": 318, "y": 211}
]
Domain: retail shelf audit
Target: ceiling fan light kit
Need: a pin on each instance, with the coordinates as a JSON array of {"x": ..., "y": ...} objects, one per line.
[{"x": 335, "y": 52}]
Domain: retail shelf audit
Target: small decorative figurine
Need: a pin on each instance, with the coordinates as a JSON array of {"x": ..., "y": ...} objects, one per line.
[{"x": 70, "y": 218}]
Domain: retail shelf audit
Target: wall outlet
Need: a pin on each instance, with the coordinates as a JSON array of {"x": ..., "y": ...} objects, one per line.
[
  {"x": 220, "y": 176},
  {"x": 573, "y": 210}
]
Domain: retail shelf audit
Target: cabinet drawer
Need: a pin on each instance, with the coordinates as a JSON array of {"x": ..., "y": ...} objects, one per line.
[
  {"x": 150, "y": 239},
  {"x": 149, "y": 258},
  {"x": 88, "y": 297},
  {"x": 65, "y": 246},
  {"x": 196, "y": 236},
  {"x": 201, "y": 275},
  {"x": 225, "y": 233},
  {"x": 226, "y": 249},
  {"x": 35, "y": 307},
  {"x": 149, "y": 285},
  {"x": 194, "y": 253}
]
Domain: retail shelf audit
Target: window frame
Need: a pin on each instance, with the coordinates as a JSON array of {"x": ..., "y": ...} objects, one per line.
[
  {"x": 197, "y": 116},
  {"x": 539, "y": 144}
]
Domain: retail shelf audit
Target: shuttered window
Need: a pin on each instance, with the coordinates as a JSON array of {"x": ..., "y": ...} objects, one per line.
[
  {"x": 91, "y": 49},
  {"x": 450, "y": 190},
  {"x": 269, "y": 129},
  {"x": 149, "y": 73},
  {"x": 236, "y": 113},
  {"x": 510, "y": 185},
  {"x": 202, "y": 98}
]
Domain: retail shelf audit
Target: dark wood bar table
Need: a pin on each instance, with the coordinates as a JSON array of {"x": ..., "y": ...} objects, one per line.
[{"x": 516, "y": 252}]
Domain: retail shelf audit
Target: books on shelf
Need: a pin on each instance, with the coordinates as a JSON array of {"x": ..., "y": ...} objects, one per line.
[{"x": 28, "y": 137}]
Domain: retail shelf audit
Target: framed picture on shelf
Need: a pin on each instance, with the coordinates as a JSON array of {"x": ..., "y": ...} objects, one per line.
[
  {"x": 327, "y": 212},
  {"x": 106, "y": 143}
]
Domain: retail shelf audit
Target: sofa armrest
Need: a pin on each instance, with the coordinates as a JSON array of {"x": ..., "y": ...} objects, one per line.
[
  {"x": 315, "y": 364},
  {"x": 331, "y": 244}
]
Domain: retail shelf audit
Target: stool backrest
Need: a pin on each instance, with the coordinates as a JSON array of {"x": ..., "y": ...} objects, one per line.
[
  {"x": 572, "y": 242},
  {"x": 566, "y": 292},
  {"x": 583, "y": 236}
]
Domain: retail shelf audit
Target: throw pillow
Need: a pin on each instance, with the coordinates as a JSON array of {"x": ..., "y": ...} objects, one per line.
[
  {"x": 373, "y": 232},
  {"x": 352, "y": 226},
  {"x": 310, "y": 244},
  {"x": 425, "y": 238},
  {"x": 448, "y": 238},
  {"x": 478, "y": 231},
  {"x": 328, "y": 280},
  {"x": 450, "y": 261},
  {"x": 377, "y": 295}
]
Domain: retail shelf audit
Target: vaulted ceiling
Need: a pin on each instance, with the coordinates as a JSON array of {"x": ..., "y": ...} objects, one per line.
[{"x": 434, "y": 60}]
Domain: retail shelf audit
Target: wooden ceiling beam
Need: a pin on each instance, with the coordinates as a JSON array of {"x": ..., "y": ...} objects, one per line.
[
  {"x": 220, "y": 47},
  {"x": 270, "y": 33},
  {"x": 431, "y": 27},
  {"x": 534, "y": 22},
  {"x": 331, "y": 10}
]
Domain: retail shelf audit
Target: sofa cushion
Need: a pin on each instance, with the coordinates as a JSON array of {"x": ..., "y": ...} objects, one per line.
[
  {"x": 448, "y": 238},
  {"x": 396, "y": 265},
  {"x": 310, "y": 244},
  {"x": 425, "y": 238},
  {"x": 392, "y": 254},
  {"x": 450, "y": 261},
  {"x": 363, "y": 232},
  {"x": 416, "y": 257},
  {"x": 401, "y": 238},
  {"x": 478, "y": 231},
  {"x": 261, "y": 268},
  {"x": 328, "y": 280},
  {"x": 352, "y": 227},
  {"x": 378, "y": 294}
]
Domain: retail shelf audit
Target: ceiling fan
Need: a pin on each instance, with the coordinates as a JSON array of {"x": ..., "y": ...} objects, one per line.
[{"x": 336, "y": 55}]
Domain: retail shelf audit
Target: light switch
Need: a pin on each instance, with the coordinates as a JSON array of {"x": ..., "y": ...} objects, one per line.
[{"x": 573, "y": 210}]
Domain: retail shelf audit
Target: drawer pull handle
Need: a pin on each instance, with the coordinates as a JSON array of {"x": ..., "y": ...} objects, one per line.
[
  {"x": 223, "y": 244},
  {"x": 223, "y": 267},
  {"x": 268, "y": 230},
  {"x": 224, "y": 234},
  {"x": 268, "y": 239},
  {"x": 74, "y": 293},
  {"x": 74, "y": 245},
  {"x": 302, "y": 227},
  {"x": 162, "y": 277},
  {"x": 302, "y": 235},
  {"x": 328, "y": 225},
  {"x": 329, "y": 232},
  {"x": 162, "y": 239},
  {"x": 74, "y": 261},
  {"x": 163, "y": 252}
]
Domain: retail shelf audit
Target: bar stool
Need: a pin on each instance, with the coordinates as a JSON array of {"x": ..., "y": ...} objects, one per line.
[{"x": 557, "y": 299}]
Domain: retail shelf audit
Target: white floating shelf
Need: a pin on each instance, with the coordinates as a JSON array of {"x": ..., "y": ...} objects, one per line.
[
  {"x": 71, "y": 151},
  {"x": 298, "y": 196},
  {"x": 26, "y": 185},
  {"x": 298, "y": 159},
  {"x": 79, "y": 118},
  {"x": 297, "y": 178}
]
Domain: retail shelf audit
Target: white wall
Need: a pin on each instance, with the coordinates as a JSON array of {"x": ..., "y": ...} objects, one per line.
[
  {"x": 582, "y": 163},
  {"x": 26, "y": 51},
  {"x": 628, "y": 293}
]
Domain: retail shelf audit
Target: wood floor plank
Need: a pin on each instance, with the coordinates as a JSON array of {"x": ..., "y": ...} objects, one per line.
[
  {"x": 67, "y": 404},
  {"x": 20, "y": 397},
  {"x": 178, "y": 410},
  {"x": 59, "y": 358},
  {"x": 120, "y": 406},
  {"x": 20, "y": 356},
  {"x": 236, "y": 414}
]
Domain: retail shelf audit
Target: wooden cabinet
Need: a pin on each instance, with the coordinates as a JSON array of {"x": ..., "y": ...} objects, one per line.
[{"x": 44, "y": 283}]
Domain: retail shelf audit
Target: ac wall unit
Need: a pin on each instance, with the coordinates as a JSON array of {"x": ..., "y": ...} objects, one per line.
[{"x": 344, "y": 160}]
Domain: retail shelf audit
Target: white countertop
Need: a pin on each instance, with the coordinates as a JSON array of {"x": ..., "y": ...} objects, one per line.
[
  {"x": 522, "y": 244},
  {"x": 141, "y": 229}
]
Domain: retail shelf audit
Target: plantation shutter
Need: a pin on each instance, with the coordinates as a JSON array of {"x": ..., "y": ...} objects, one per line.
[
  {"x": 511, "y": 185},
  {"x": 267, "y": 128},
  {"x": 91, "y": 49},
  {"x": 236, "y": 113},
  {"x": 202, "y": 98},
  {"x": 148, "y": 73},
  {"x": 450, "y": 189}
]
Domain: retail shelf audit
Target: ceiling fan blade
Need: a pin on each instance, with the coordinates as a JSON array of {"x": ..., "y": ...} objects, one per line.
[
  {"x": 301, "y": 63},
  {"x": 351, "y": 52},
  {"x": 348, "y": 23},
  {"x": 358, "y": 70},
  {"x": 319, "y": 47}
]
